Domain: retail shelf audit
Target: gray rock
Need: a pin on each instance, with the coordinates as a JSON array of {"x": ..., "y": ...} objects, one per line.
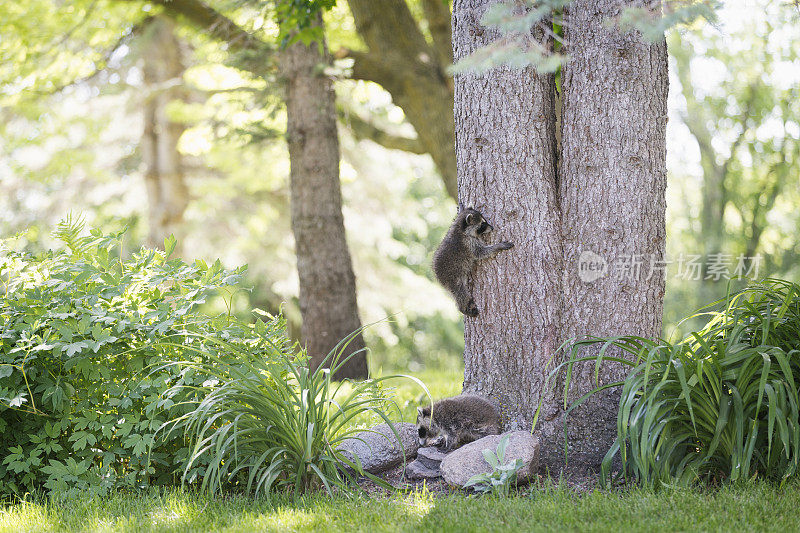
[
  {"x": 430, "y": 456},
  {"x": 418, "y": 470},
  {"x": 377, "y": 448},
  {"x": 467, "y": 461}
]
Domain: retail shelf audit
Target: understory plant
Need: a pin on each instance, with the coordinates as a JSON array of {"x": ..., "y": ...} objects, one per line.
[
  {"x": 80, "y": 327},
  {"x": 266, "y": 421},
  {"x": 720, "y": 405},
  {"x": 503, "y": 475}
]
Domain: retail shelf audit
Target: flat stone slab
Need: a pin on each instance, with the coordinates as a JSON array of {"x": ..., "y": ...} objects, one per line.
[
  {"x": 430, "y": 456},
  {"x": 418, "y": 470},
  {"x": 463, "y": 463},
  {"x": 377, "y": 448}
]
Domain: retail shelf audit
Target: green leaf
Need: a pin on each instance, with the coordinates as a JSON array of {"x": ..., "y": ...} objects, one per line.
[
  {"x": 75, "y": 347},
  {"x": 169, "y": 245},
  {"x": 501, "y": 448}
]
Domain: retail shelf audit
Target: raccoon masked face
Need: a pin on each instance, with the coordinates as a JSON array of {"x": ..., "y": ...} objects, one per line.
[
  {"x": 473, "y": 223},
  {"x": 427, "y": 433}
]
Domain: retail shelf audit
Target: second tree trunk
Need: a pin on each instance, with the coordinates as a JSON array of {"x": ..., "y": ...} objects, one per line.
[{"x": 327, "y": 283}]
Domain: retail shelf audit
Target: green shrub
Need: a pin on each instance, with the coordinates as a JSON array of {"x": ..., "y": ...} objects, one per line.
[
  {"x": 79, "y": 329},
  {"x": 721, "y": 404},
  {"x": 271, "y": 423}
]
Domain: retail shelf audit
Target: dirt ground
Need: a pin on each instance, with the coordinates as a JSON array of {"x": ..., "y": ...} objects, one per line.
[{"x": 580, "y": 484}]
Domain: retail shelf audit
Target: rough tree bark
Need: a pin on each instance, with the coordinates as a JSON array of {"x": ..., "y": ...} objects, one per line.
[
  {"x": 167, "y": 193},
  {"x": 327, "y": 282},
  {"x": 613, "y": 181},
  {"x": 605, "y": 195},
  {"x": 505, "y": 151}
]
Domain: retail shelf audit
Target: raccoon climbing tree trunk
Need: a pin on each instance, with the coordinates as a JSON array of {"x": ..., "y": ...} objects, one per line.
[
  {"x": 505, "y": 155},
  {"x": 601, "y": 199},
  {"x": 162, "y": 72},
  {"x": 325, "y": 270}
]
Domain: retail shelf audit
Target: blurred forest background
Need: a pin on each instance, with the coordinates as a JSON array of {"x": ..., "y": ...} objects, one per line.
[{"x": 87, "y": 88}]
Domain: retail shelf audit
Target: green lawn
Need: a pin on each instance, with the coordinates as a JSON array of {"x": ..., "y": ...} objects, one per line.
[{"x": 757, "y": 507}]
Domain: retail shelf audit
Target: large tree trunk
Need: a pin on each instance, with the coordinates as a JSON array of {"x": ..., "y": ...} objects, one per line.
[
  {"x": 167, "y": 194},
  {"x": 612, "y": 184},
  {"x": 327, "y": 282},
  {"x": 505, "y": 150},
  {"x": 606, "y": 196}
]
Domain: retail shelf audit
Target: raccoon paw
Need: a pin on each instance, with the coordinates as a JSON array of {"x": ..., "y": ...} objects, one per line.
[
  {"x": 505, "y": 245},
  {"x": 472, "y": 309}
]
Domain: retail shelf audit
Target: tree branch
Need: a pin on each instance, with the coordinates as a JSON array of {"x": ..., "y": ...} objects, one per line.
[
  {"x": 219, "y": 27},
  {"x": 406, "y": 65},
  {"x": 389, "y": 26},
  {"x": 437, "y": 13},
  {"x": 363, "y": 129},
  {"x": 368, "y": 66},
  {"x": 393, "y": 37}
]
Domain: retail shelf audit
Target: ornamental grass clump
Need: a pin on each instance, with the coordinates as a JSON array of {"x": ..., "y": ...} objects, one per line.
[
  {"x": 268, "y": 422},
  {"x": 720, "y": 405}
]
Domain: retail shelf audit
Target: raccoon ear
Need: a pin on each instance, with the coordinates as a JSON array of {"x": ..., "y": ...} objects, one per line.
[
  {"x": 420, "y": 412},
  {"x": 472, "y": 218}
]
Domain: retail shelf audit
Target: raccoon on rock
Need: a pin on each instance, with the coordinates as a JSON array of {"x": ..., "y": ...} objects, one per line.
[{"x": 457, "y": 421}]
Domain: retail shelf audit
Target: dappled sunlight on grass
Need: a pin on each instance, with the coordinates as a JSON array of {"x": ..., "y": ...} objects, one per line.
[
  {"x": 27, "y": 516},
  {"x": 289, "y": 520},
  {"x": 755, "y": 506},
  {"x": 186, "y": 511},
  {"x": 175, "y": 513},
  {"x": 419, "y": 503}
]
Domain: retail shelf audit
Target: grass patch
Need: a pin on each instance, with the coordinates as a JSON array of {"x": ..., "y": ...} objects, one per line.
[{"x": 759, "y": 506}]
